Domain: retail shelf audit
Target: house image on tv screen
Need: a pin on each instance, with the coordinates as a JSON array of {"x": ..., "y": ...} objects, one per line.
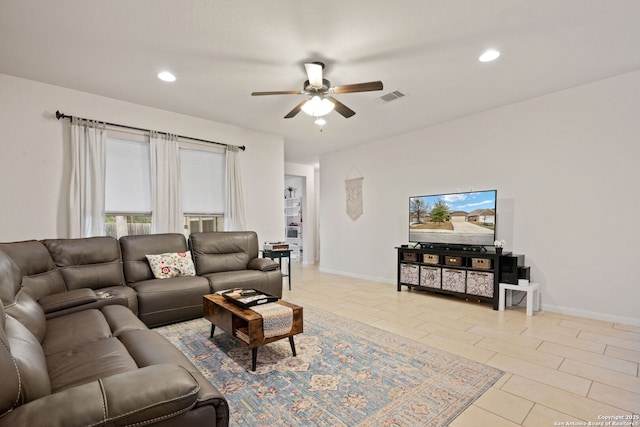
[
  {"x": 457, "y": 219},
  {"x": 483, "y": 216}
]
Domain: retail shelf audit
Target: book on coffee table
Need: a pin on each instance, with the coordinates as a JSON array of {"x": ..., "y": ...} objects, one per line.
[
  {"x": 243, "y": 334},
  {"x": 245, "y": 297}
]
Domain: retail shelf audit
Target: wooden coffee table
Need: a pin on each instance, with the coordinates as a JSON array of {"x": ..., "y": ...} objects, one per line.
[{"x": 246, "y": 325}]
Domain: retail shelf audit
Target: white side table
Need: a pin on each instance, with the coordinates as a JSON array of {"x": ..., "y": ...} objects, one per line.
[{"x": 533, "y": 296}]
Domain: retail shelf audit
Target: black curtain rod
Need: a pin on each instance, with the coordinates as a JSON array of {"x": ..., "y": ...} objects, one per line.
[{"x": 60, "y": 115}]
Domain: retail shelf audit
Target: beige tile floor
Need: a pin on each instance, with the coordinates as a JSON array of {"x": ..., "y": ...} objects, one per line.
[{"x": 560, "y": 370}]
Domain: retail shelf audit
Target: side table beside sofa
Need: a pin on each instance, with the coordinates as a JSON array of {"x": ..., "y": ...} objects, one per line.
[
  {"x": 75, "y": 343},
  {"x": 279, "y": 254}
]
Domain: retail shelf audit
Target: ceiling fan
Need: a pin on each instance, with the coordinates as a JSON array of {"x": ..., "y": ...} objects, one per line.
[{"x": 320, "y": 91}]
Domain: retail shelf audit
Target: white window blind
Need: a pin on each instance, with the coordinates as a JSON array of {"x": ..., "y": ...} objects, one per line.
[
  {"x": 128, "y": 176},
  {"x": 202, "y": 176}
]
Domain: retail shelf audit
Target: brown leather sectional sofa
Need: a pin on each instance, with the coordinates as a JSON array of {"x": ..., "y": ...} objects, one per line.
[{"x": 75, "y": 348}]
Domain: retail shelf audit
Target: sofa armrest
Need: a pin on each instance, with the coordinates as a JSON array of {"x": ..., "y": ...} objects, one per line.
[
  {"x": 263, "y": 264},
  {"x": 152, "y": 393},
  {"x": 63, "y": 300}
]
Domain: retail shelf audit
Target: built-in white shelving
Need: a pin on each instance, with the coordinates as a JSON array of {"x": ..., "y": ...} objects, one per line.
[{"x": 293, "y": 222}]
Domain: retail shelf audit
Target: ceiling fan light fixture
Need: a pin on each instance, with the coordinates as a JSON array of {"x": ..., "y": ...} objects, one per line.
[
  {"x": 321, "y": 121},
  {"x": 166, "y": 76},
  {"x": 318, "y": 107},
  {"x": 489, "y": 55}
]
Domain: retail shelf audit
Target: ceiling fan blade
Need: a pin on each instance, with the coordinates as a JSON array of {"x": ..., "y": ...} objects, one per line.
[
  {"x": 358, "y": 87},
  {"x": 278, "y": 92},
  {"x": 341, "y": 108},
  {"x": 314, "y": 72},
  {"x": 295, "y": 110}
]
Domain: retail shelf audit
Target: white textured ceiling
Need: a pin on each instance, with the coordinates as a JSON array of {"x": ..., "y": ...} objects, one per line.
[{"x": 222, "y": 50}]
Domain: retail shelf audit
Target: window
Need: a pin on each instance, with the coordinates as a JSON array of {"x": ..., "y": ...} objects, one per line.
[
  {"x": 128, "y": 186},
  {"x": 128, "y": 183},
  {"x": 195, "y": 224},
  {"x": 202, "y": 187},
  {"x": 202, "y": 181},
  {"x": 125, "y": 225}
]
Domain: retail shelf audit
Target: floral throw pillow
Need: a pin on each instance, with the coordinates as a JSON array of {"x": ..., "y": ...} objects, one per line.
[{"x": 171, "y": 264}]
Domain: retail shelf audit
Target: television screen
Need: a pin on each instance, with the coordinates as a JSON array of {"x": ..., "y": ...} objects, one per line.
[{"x": 454, "y": 219}]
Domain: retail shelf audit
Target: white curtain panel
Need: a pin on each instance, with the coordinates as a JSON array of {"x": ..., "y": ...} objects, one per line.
[
  {"x": 167, "y": 214},
  {"x": 88, "y": 171},
  {"x": 234, "y": 218}
]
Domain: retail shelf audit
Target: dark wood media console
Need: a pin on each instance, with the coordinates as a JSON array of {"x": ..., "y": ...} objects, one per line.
[{"x": 465, "y": 274}]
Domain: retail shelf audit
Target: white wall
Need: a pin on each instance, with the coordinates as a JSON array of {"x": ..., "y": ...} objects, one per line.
[
  {"x": 34, "y": 160},
  {"x": 566, "y": 167}
]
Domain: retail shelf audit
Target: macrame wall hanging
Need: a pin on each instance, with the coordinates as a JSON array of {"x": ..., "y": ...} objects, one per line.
[{"x": 353, "y": 188}]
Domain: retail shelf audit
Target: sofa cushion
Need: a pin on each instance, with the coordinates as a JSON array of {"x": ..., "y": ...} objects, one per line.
[
  {"x": 263, "y": 264},
  {"x": 153, "y": 393},
  {"x": 242, "y": 279},
  {"x": 172, "y": 264},
  {"x": 125, "y": 292},
  {"x": 147, "y": 347},
  {"x": 88, "y": 362},
  {"x": 159, "y": 395},
  {"x": 92, "y": 262},
  {"x": 39, "y": 273},
  {"x": 74, "y": 330},
  {"x": 29, "y": 357},
  {"x": 10, "y": 277},
  {"x": 63, "y": 300},
  {"x": 121, "y": 319},
  {"x": 162, "y": 301},
  {"x": 9, "y": 376},
  {"x": 27, "y": 311},
  {"x": 223, "y": 251},
  {"x": 135, "y": 248}
]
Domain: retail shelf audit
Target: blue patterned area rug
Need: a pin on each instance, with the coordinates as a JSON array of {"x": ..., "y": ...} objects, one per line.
[{"x": 346, "y": 373}]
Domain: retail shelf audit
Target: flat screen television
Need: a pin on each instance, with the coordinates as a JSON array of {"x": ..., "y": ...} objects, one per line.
[{"x": 456, "y": 219}]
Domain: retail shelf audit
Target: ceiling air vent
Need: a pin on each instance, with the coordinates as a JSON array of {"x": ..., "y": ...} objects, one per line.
[{"x": 392, "y": 96}]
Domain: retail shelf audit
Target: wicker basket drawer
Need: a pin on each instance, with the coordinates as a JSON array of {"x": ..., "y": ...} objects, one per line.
[
  {"x": 453, "y": 260},
  {"x": 409, "y": 256},
  {"x": 431, "y": 259},
  {"x": 480, "y": 283},
  {"x": 430, "y": 277},
  {"x": 454, "y": 280},
  {"x": 409, "y": 274},
  {"x": 481, "y": 263}
]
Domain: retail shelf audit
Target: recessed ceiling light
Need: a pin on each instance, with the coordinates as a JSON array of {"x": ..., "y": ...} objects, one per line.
[
  {"x": 489, "y": 55},
  {"x": 166, "y": 76}
]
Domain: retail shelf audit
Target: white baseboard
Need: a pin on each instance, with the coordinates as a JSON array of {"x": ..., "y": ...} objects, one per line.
[{"x": 591, "y": 314}]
